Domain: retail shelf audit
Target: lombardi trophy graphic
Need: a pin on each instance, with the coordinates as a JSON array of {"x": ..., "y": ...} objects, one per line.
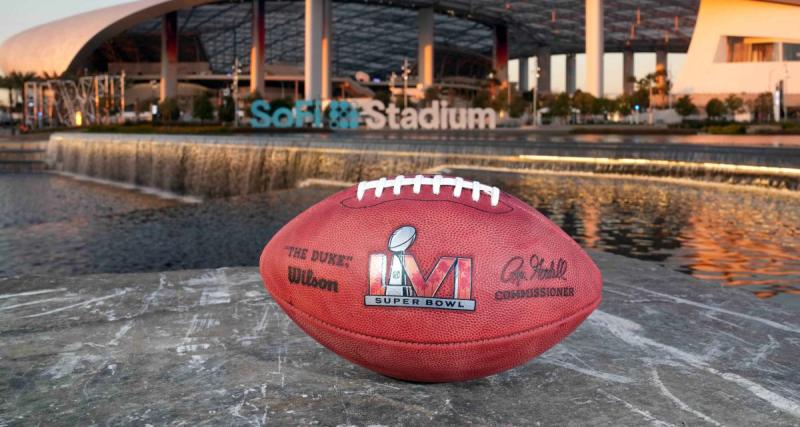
[{"x": 400, "y": 240}]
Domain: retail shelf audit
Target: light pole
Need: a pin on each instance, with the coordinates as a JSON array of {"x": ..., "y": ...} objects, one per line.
[
  {"x": 122, "y": 97},
  {"x": 406, "y": 73},
  {"x": 535, "y": 96},
  {"x": 236, "y": 71},
  {"x": 392, "y": 80},
  {"x": 668, "y": 89},
  {"x": 785, "y": 85}
]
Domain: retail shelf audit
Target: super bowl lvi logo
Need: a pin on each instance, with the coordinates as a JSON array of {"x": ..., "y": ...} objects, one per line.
[{"x": 400, "y": 282}]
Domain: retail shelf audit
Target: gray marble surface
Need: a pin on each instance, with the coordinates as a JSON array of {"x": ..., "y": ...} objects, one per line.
[{"x": 210, "y": 348}]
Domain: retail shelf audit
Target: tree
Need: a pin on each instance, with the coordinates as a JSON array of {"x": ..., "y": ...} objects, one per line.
[
  {"x": 559, "y": 105},
  {"x": 227, "y": 111},
  {"x": 585, "y": 102},
  {"x": 248, "y": 102},
  {"x": 607, "y": 106},
  {"x": 685, "y": 107},
  {"x": 384, "y": 97},
  {"x": 715, "y": 108},
  {"x": 640, "y": 97},
  {"x": 762, "y": 106},
  {"x": 168, "y": 110},
  {"x": 623, "y": 104},
  {"x": 482, "y": 99},
  {"x": 281, "y": 103},
  {"x": 432, "y": 93},
  {"x": 202, "y": 108},
  {"x": 517, "y": 106},
  {"x": 500, "y": 101},
  {"x": 734, "y": 104}
]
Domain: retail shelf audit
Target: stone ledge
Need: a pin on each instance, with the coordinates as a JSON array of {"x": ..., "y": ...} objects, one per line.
[{"x": 210, "y": 346}]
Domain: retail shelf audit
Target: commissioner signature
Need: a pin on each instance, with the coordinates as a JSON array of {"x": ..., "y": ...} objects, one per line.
[{"x": 516, "y": 271}]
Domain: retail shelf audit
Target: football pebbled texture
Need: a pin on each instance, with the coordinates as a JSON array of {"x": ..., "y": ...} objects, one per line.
[{"x": 486, "y": 283}]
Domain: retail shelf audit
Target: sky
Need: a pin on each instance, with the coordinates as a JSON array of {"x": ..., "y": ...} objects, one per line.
[{"x": 19, "y": 15}]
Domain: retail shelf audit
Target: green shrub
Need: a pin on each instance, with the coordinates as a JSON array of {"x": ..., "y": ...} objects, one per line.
[
  {"x": 731, "y": 129},
  {"x": 685, "y": 107},
  {"x": 202, "y": 107},
  {"x": 384, "y": 97},
  {"x": 715, "y": 108},
  {"x": 227, "y": 111},
  {"x": 169, "y": 110},
  {"x": 281, "y": 103},
  {"x": 517, "y": 107}
]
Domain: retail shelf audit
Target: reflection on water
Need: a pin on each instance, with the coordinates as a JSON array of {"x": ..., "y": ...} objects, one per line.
[
  {"x": 735, "y": 236},
  {"x": 52, "y": 225},
  {"x": 29, "y": 199}
]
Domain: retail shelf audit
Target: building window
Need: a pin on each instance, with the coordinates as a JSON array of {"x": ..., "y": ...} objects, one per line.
[
  {"x": 744, "y": 49},
  {"x": 736, "y": 50},
  {"x": 763, "y": 52},
  {"x": 791, "y": 52}
]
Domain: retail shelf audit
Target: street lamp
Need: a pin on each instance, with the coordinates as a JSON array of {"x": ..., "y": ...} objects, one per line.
[
  {"x": 406, "y": 73},
  {"x": 785, "y": 85},
  {"x": 237, "y": 69},
  {"x": 535, "y": 96}
]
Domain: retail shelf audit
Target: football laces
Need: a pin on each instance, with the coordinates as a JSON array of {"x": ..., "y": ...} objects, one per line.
[{"x": 436, "y": 182}]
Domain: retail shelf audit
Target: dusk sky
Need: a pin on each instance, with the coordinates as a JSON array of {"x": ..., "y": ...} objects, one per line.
[{"x": 20, "y": 15}]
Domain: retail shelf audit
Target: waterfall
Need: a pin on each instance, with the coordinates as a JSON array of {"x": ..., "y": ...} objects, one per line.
[{"x": 221, "y": 166}]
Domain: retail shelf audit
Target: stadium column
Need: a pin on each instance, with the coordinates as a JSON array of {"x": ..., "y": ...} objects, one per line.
[
  {"x": 425, "y": 21},
  {"x": 627, "y": 72},
  {"x": 313, "y": 49},
  {"x": 543, "y": 62},
  {"x": 257, "y": 49},
  {"x": 661, "y": 76},
  {"x": 523, "y": 74},
  {"x": 500, "y": 60},
  {"x": 169, "y": 56},
  {"x": 594, "y": 47},
  {"x": 571, "y": 73},
  {"x": 327, "y": 45}
]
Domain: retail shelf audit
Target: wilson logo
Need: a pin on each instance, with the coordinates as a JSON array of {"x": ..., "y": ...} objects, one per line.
[
  {"x": 299, "y": 276},
  {"x": 401, "y": 282}
]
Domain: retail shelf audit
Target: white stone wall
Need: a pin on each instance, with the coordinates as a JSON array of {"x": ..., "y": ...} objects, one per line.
[{"x": 705, "y": 71}]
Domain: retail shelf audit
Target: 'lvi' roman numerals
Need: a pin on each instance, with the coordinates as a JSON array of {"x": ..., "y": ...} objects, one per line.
[{"x": 459, "y": 268}]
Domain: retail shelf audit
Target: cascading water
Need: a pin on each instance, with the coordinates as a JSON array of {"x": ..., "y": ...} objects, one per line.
[{"x": 221, "y": 166}]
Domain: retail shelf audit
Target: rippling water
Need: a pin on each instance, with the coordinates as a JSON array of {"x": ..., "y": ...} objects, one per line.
[
  {"x": 736, "y": 236},
  {"x": 733, "y": 235}
]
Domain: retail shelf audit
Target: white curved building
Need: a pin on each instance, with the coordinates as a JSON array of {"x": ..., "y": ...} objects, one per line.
[{"x": 743, "y": 47}]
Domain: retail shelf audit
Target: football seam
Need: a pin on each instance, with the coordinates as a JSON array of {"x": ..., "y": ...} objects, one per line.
[{"x": 436, "y": 344}]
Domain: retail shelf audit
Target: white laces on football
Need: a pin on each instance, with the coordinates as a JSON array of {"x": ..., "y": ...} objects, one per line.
[{"x": 437, "y": 182}]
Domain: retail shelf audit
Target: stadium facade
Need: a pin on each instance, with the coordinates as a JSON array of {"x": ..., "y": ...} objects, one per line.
[{"x": 321, "y": 49}]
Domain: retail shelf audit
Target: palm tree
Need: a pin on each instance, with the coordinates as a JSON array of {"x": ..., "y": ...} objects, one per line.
[{"x": 51, "y": 75}]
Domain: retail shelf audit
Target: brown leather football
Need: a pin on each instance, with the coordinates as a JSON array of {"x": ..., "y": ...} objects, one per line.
[{"x": 430, "y": 278}]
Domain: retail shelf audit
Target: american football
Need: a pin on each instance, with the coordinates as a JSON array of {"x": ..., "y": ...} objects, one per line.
[{"x": 430, "y": 278}]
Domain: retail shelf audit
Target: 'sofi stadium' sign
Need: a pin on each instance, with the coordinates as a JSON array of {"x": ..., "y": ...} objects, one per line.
[{"x": 372, "y": 114}]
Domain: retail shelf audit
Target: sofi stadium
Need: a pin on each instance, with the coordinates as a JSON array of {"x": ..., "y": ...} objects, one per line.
[{"x": 324, "y": 49}]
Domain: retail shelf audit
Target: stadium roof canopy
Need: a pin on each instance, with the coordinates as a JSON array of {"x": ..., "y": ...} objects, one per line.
[{"x": 368, "y": 35}]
